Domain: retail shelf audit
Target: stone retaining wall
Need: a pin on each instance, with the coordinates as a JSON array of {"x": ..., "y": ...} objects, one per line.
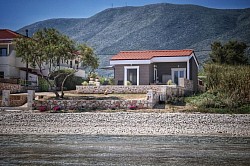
[
  {"x": 14, "y": 88},
  {"x": 187, "y": 84},
  {"x": 92, "y": 104},
  {"x": 119, "y": 89},
  {"x": 133, "y": 89},
  {"x": 16, "y": 100}
]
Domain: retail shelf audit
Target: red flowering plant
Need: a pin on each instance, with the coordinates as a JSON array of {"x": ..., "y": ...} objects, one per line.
[
  {"x": 133, "y": 107},
  {"x": 56, "y": 108},
  {"x": 43, "y": 108}
]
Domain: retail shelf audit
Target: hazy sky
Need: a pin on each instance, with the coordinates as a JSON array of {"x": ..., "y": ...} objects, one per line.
[{"x": 17, "y": 13}]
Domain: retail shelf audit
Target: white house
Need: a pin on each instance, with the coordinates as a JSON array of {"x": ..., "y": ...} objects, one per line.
[{"x": 12, "y": 67}]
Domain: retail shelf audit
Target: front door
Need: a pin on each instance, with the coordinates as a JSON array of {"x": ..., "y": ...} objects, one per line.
[
  {"x": 178, "y": 73},
  {"x": 132, "y": 76}
]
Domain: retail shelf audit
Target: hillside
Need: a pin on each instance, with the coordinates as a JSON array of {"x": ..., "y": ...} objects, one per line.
[{"x": 157, "y": 26}]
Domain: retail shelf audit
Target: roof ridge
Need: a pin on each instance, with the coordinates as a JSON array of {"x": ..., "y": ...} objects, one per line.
[{"x": 156, "y": 51}]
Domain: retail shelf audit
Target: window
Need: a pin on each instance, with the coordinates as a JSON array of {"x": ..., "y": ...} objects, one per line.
[
  {"x": 1, "y": 74},
  {"x": 3, "y": 51},
  {"x": 70, "y": 64}
]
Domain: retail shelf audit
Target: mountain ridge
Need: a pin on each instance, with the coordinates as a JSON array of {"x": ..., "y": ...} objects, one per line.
[{"x": 154, "y": 27}]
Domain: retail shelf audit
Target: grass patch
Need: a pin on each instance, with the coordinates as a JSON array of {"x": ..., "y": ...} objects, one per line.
[{"x": 217, "y": 103}]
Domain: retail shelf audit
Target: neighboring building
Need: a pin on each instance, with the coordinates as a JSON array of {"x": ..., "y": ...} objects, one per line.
[
  {"x": 155, "y": 67},
  {"x": 11, "y": 67}
]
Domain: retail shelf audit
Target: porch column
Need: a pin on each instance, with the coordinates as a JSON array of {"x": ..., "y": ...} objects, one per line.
[
  {"x": 30, "y": 98},
  {"x": 8, "y": 50},
  {"x": 6, "y": 98},
  {"x": 188, "y": 70}
]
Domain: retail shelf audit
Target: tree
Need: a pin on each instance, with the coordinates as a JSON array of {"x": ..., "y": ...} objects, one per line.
[
  {"x": 46, "y": 48},
  {"x": 232, "y": 53},
  {"x": 88, "y": 59}
]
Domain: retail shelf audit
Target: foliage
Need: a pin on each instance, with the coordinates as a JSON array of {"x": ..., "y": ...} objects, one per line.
[
  {"x": 92, "y": 75},
  {"x": 175, "y": 100},
  {"x": 129, "y": 83},
  {"x": 102, "y": 80},
  {"x": 85, "y": 83},
  {"x": 228, "y": 89},
  {"x": 43, "y": 84},
  {"x": 47, "y": 47},
  {"x": 43, "y": 108},
  {"x": 88, "y": 57},
  {"x": 217, "y": 103},
  {"x": 231, "y": 80},
  {"x": 170, "y": 82},
  {"x": 111, "y": 81},
  {"x": 232, "y": 53},
  {"x": 132, "y": 107}
]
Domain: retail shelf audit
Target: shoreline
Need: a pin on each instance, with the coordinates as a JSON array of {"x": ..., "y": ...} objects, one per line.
[{"x": 125, "y": 124}]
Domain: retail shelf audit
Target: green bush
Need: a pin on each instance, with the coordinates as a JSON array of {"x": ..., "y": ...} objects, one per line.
[
  {"x": 217, "y": 103},
  {"x": 43, "y": 84},
  {"x": 71, "y": 82},
  {"x": 111, "y": 81},
  {"x": 85, "y": 83}
]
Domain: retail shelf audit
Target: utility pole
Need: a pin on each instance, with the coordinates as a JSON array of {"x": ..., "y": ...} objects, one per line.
[{"x": 27, "y": 62}]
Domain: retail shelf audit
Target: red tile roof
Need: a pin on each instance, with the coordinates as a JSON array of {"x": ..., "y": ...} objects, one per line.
[
  {"x": 149, "y": 54},
  {"x": 8, "y": 34}
]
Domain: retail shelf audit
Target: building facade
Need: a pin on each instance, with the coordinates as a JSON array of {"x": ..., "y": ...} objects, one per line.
[{"x": 155, "y": 67}]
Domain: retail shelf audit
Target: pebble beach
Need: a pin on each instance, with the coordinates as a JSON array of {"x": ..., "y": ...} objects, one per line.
[{"x": 125, "y": 123}]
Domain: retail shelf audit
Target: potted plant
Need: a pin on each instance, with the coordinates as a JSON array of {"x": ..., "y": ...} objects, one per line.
[
  {"x": 92, "y": 76},
  {"x": 129, "y": 83},
  {"x": 170, "y": 83},
  {"x": 85, "y": 83}
]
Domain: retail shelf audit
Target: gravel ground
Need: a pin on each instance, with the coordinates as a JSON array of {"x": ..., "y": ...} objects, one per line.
[{"x": 124, "y": 123}]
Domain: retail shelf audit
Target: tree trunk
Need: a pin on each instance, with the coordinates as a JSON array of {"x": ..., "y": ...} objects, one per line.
[
  {"x": 62, "y": 94},
  {"x": 27, "y": 72},
  {"x": 54, "y": 90}
]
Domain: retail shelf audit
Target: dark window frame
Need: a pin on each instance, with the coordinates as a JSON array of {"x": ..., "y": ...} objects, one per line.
[
  {"x": 2, "y": 52},
  {"x": 1, "y": 74}
]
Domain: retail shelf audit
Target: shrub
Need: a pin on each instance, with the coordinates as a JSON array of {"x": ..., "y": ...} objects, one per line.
[
  {"x": 129, "y": 83},
  {"x": 85, "y": 83},
  {"x": 133, "y": 107},
  {"x": 111, "y": 81},
  {"x": 43, "y": 84},
  {"x": 170, "y": 82},
  {"x": 232, "y": 81},
  {"x": 56, "y": 108},
  {"x": 42, "y": 108}
]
